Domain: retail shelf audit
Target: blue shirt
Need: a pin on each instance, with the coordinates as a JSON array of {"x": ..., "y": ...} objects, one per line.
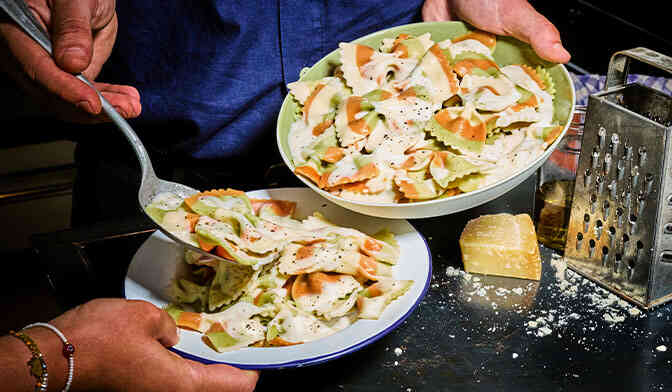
[{"x": 212, "y": 74}]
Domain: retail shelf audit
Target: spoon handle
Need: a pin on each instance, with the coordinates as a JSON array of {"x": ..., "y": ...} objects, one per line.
[{"x": 21, "y": 14}]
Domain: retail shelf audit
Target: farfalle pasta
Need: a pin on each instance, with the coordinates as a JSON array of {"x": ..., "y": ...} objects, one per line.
[
  {"x": 416, "y": 119},
  {"x": 290, "y": 281}
]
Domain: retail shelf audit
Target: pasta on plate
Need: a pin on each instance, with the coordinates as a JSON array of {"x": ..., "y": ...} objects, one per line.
[
  {"x": 292, "y": 281},
  {"x": 416, "y": 119}
]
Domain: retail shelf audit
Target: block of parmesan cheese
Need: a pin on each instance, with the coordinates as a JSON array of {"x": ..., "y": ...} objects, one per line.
[{"x": 501, "y": 244}]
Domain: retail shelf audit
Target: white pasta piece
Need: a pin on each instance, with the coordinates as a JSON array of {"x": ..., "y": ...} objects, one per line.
[
  {"x": 321, "y": 104},
  {"x": 391, "y": 152},
  {"x": 481, "y": 91},
  {"x": 497, "y": 151},
  {"x": 335, "y": 298},
  {"x": 545, "y": 108},
  {"x": 406, "y": 114},
  {"x": 302, "y": 89},
  {"x": 417, "y": 160},
  {"x": 470, "y": 45},
  {"x": 518, "y": 75},
  {"x": 299, "y": 138},
  {"x": 445, "y": 44},
  {"x": 351, "y": 72},
  {"x": 443, "y": 82},
  {"x": 386, "y": 45},
  {"x": 384, "y": 65},
  {"x": 508, "y": 117}
]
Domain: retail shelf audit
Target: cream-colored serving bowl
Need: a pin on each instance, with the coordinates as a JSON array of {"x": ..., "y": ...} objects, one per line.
[{"x": 508, "y": 51}]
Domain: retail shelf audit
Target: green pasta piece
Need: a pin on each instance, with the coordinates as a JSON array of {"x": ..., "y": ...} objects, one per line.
[
  {"x": 452, "y": 139},
  {"x": 468, "y": 183},
  {"x": 547, "y": 79},
  {"x": 445, "y": 167}
]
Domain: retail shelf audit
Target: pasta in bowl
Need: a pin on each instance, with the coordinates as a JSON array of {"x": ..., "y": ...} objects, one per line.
[{"x": 423, "y": 120}]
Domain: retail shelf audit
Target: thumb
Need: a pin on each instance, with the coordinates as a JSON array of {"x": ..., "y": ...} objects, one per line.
[
  {"x": 220, "y": 377},
  {"x": 71, "y": 34},
  {"x": 526, "y": 24}
]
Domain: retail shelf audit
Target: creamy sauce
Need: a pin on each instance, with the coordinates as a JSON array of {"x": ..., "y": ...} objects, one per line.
[
  {"x": 488, "y": 93},
  {"x": 469, "y": 45},
  {"x": 300, "y": 136},
  {"x": 407, "y": 113},
  {"x": 469, "y": 106},
  {"x": 328, "y": 302},
  {"x": 345, "y": 168},
  {"x": 167, "y": 201},
  {"x": 302, "y": 328}
]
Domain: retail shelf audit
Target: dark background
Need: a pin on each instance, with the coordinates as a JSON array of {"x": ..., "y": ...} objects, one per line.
[{"x": 593, "y": 30}]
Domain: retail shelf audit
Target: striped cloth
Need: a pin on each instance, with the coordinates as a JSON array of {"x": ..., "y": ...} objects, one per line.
[{"x": 590, "y": 84}]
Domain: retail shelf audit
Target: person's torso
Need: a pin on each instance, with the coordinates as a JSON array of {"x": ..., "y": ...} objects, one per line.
[{"x": 212, "y": 74}]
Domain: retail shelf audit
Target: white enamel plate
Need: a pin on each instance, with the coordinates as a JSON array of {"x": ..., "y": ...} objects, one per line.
[{"x": 159, "y": 259}]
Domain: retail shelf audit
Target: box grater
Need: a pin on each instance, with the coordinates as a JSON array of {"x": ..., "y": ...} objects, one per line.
[{"x": 620, "y": 225}]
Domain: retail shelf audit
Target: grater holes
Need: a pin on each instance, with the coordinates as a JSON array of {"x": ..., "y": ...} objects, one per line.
[
  {"x": 669, "y": 200},
  {"x": 579, "y": 241},
  {"x": 666, "y": 256},
  {"x": 586, "y": 177},
  {"x": 648, "y": 183},
  {"x": 605, "y": 255},
  {"x": 601, "y": 136},
  {"x": 641, "y": 152},
  {"x": 598, "y": 228},
  {"x": 667, "y": 229},
  {"x": 633, "y": 224}
]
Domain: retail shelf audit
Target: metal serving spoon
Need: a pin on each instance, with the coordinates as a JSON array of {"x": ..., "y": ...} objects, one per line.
[{"x": 150, "y": 184}]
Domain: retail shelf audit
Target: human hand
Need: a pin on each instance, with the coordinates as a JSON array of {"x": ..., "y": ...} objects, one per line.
[
  {"x": 83, "y": 34},
  {"x": 516, "y": 18},
  {"x": 121, "y": 345}
]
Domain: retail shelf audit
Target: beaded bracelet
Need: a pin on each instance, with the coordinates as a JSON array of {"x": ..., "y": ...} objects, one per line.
[
  {"x": 68, "y": 352},
  {"x": 36, "y": 364}
]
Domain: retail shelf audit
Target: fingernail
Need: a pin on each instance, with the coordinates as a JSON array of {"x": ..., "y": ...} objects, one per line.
[
  {"x": 251, "y": 373},
  {"x": 85, "y": 106},
  {"x": 560, "y": 49}
]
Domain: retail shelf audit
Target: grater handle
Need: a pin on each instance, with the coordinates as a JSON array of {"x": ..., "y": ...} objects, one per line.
[{"x": 619, "y": 65}]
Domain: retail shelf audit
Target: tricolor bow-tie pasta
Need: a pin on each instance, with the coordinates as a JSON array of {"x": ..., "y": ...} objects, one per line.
[
  {"x": 416, "y": 120},
  {"x": 290, "y": 281}
]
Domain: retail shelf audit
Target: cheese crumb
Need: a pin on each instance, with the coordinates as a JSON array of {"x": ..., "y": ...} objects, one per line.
[
  {"x": 544, "y": 331},
  {"x": 613, "y": 318},
  {"x": 398, "y": 351},
  {"x": 662, "y": 348},
  {"x": 514, "y": 355}
]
